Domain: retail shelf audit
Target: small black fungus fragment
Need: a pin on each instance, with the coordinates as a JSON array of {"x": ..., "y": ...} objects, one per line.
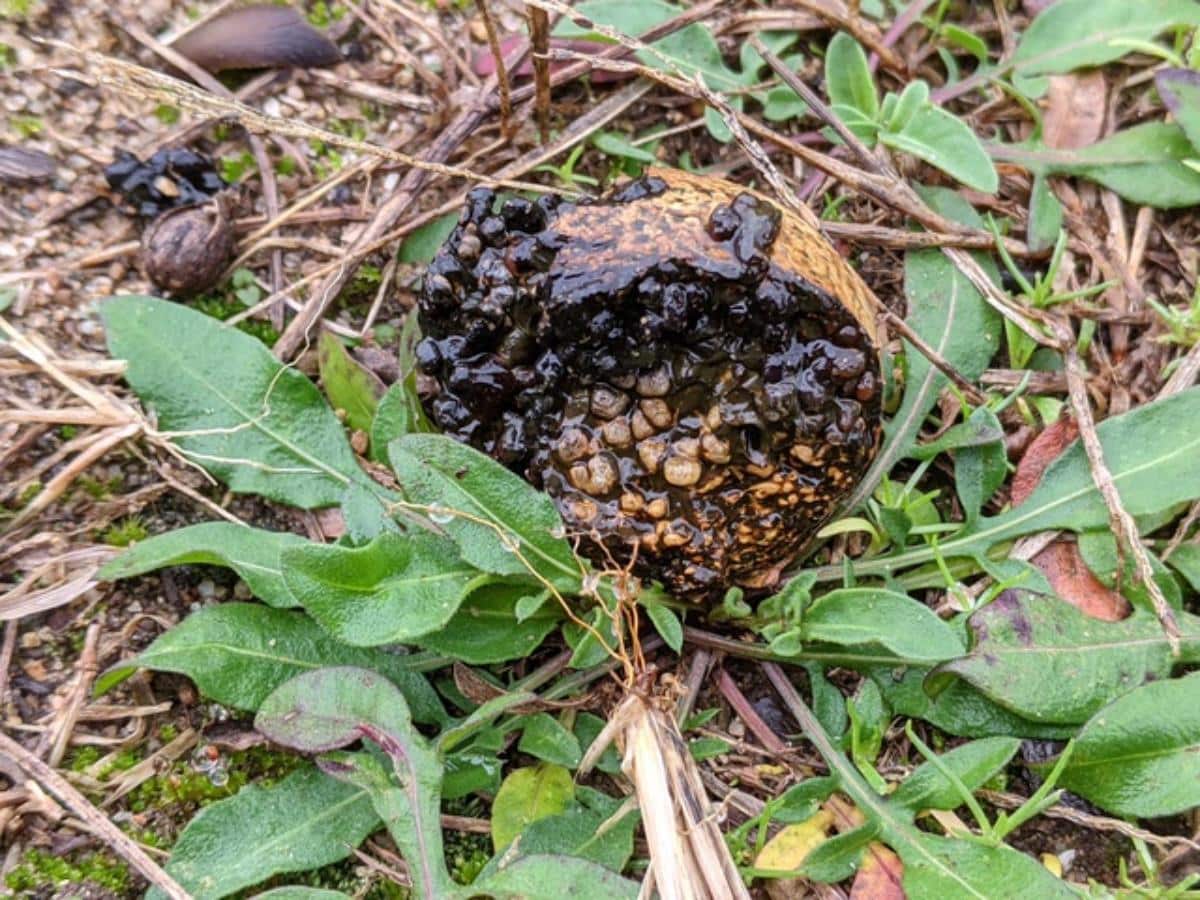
[
  {"x": 685, "y": 368},
  {"x": 169, "y": 179}
]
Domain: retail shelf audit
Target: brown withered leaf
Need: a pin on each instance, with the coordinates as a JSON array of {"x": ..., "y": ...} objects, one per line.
[
  {"x": 1075, "y": 108},
  {"x": 1061, "y": 562},
  {"x": 880, "y": 876}
]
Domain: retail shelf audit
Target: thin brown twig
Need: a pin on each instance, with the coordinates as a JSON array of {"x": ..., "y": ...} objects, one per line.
[
  {"x": 539, "y": 39},
  {"x": 86, "y": 668},
  {"x": 1123, "y": 526},
  {"x": 503, "y": 87},
  {"x": 120, "y": 843}
]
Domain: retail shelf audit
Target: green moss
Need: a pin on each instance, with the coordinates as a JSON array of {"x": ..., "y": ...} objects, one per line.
[
  {"x": 166, "y": 114},
  {"x": 183, "y": 787},
  {"x": 83, "y": 758},
  {"x": 466, "y": 855},
  {"x": 322, "y": 15},
  {"x": 26, "y": 126},
  {"x": 16, "y": 9},
  {"x": 38, "y": 871},
  {"x": 97, "y": 489},
  {"x": 125, "y": 532},
  {"x": 224, "y": 307}
]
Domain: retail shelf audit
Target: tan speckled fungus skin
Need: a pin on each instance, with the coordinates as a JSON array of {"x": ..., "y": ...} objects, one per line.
[{"x": 690, "y": 371}]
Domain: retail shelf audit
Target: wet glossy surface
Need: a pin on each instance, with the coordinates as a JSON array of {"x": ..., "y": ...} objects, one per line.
[{"x": 648, "y": 363}]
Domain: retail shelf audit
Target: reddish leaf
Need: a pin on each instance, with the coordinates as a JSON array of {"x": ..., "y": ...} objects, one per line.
[
  {"x": 880, "y": 876},
  {"x": 1075, "y": 106},
  {"x": 1061, "y": 561}
]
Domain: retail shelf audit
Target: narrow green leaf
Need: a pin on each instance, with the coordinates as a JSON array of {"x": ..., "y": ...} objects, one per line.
[
  {"x": 306, "y": 821},
  {"x": 836, "y": 859},
  {"x": 485, "y": 629},
  {"x": 545, "y": 877},
  {"x": 938, "y": 867},
  {"x": 543, "y": 737},
  {"x": 1047, "y": 661},
  {"x": 947, "y": 311},
  {"x": 237, "y": 653},
  {"x": 848, "y": 77},
  {"x": 1140, "y": 755},
  {"x": 347, "y": 384},
  {"x": 947, "y": 143},
  {"x": 500, "y": 523},
  {"x": 399, "y": 411},
  {"x": 666, "y": 623},
  {"x": 297, "y": 892},
  {"x": 527, "y": 795},
  {"x": 1180, "y": 91},
  {"x": 973, "y": 763},
  {"x": 251, "y": 552},
  {"x": 420, "y": 247},
  {"x": 1073, "y": 34},
  {"x": 229, "y": 405},
  {"x": 393, "y": 590},
  {"x": 871, "y": 617}
]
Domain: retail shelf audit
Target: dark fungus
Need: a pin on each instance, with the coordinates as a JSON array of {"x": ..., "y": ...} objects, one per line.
[
  {"x": 689, "y": 371},
  {"x": 257, "y": 37}
]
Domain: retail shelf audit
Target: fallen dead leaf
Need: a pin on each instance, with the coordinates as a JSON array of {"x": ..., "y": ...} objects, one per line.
[
  {"x": 880, "y": 876},
  {"x": 1075, "y": 108},
  {"x": 787, "y": 851},
  {"x": 1061, "y": 562}
]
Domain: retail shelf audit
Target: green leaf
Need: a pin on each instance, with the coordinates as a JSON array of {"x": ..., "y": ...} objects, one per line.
[
  {"x": 616, "y": 144},
  {"x": 870, "y": 617},
  {"x": 553, "y": 878},
  {"x": 393, "y": 590},
  {"x": 251, "y": 552},
  {"x": 1073, "y": 34},
  {"x": 979, "y": 470},
  {"x": 420, "y": 247},
  {"x": 586, "y": 830},
  {"x": 848, "y": 77},
  {"x": 347, "y": 384},
  {"x": 666, "y": 623},
  {"x": 400, "y": 411},
  {"x": 1180, "y": 92},
  {"x": 1152, "y": 451},
  {"x": 1145, "y": 164},
  {"x": 973, "y": 763},
  {"x": 527, "y": 795},
  {"x": 238, "y": 653},
  {"x": 941, "y": 867},
  {"x": 297, "y": 892},
  {"x": 951, "y": 315},
  {"x": 500, "y": 523},
  {"x": 1047, "y": 661},
  {"x": 836, "y": 859},
  {"x": 947, "y": 143},
  {"x": 1045, "y": 215},
  {"x": 485, "y": 630},
  {"x": 229, "y": 405},
  {"x": 306, "y": 821},
  {"x": 544, "y": 738},
  {"x": 1140, "y": 755},
  {"x": 330, "y": 708}
]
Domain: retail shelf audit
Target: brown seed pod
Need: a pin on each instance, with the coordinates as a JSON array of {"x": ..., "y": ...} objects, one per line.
[
  {"x": 185, "y": 250},
  {"x": 695, "y": 368}
]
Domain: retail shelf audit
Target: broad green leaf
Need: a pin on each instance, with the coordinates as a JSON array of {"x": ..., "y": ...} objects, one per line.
[
  {"x": 297, "y": 892},
  {"x": 666, "y": 623},
  {"x": 1145, "y": 164},
  {"x": 330, "y": 708},
  {"x": 589, "y": 829},
  {"x": 848, "y": 77},
  {"x": 481, "y": 718},
  {"x": 1045, "y": 215},
  {"x": 485, "y": 629},
  {"x": 394, "y": 589},
  {"x": 947, "y": 143},
  {"x": 229, "y": 405},
  {"x": 527, "y": 795},
  {"x": 973, "y": 763},
  {"x": 543, "y": 737},
  {"x": 1180, "y": 92},
  {"x": 958, "y": 708},
  {"x": 871, "y": 617},
  {"x": 545, "y": 877},
  {"x": 979, "y": 470},
  {"x": 1073, "y": 34},
  {"x": 306, "y": 821},
  {"x": 836, "y": 859},
  {"x": 238, "y": 653},
  {"x": 251, "y": 552},
  {"x": 1152, "y": 451},
  {"x": 1140, "y": 755},
  {"x": 951, "y": 315},
  {"x": 1047, "y": 661},
  {"x": 420, "y": 247},
  {"x": 1186, "y": 561},
  {"x": 400, "y": 411},
  {"x": 942, "y": 867},
  {"x": 500, "y": 523},
  {"x": 347, "y": 384}
]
